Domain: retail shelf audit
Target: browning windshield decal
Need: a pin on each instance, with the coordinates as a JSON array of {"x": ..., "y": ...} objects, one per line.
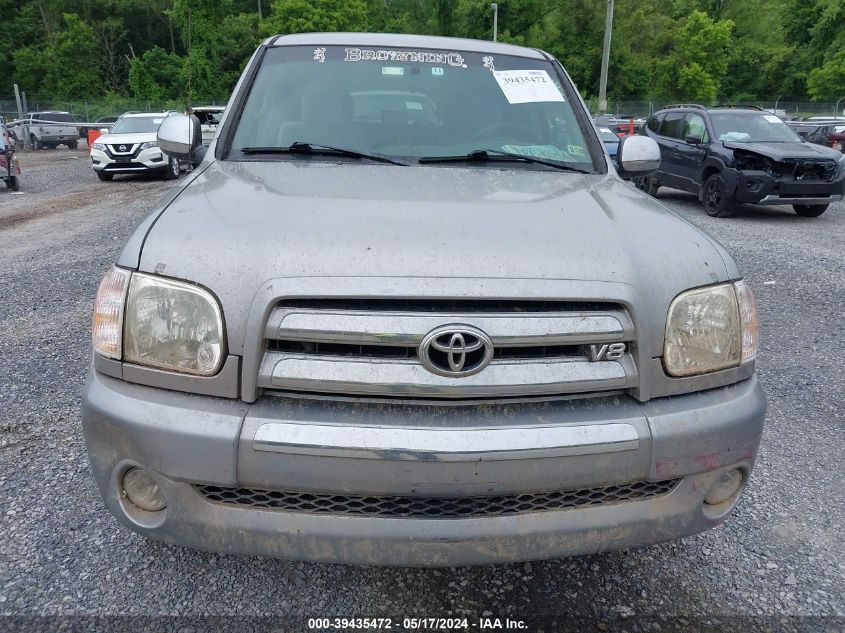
[{"x": 425, "y": 57}]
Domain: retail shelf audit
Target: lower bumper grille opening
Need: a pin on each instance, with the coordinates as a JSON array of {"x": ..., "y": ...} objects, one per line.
[{"x": 435, "y": 507}]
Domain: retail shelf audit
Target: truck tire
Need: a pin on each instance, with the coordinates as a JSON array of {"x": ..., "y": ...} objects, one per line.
[
  {"x": 810, "y": 210},
  {"x": 104, "y": 176},
  {"x": 13, "y": 183},
  {"x": 717, "y": 203},
  {"x": 647, "y": 184},
  {"x": 35, "y": 143}
]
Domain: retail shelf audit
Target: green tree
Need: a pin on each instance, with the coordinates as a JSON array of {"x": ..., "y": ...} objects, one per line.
[
  {"x": 695, "y": 83},
  {"x": 828, "y": 80},
  {"x": 701, "y": 49},
  {"x": 158, "y": 74},
  {"x": 696, "y": 61},
  {"x": 66, "y": 66},
  {"x": 303, "y": 16}
]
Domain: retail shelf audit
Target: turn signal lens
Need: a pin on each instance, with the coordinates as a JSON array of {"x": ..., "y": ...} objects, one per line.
[
  {"x": 107, "y": 327},
  {"x": 749, "y": 320}
]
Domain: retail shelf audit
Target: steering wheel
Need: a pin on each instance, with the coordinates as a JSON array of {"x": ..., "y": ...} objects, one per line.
[{"x": 510, "y": 130}]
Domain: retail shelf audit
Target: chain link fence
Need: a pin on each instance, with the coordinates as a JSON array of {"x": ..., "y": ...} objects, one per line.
[
  {"x": 790, "y": 109},
  {"x": 86, "y": 113},
  {"x": 89, "y": 110}
]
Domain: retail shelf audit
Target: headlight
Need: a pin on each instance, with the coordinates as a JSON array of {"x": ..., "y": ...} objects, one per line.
[
  {"x": 172, "y": 325},
  {"x": 158, "y": 322},
  {"x": 709, "y": 329},
  {"x": 99, "y": 146},
  {"x": 107, "y": 326},
  {"x": 149, "y": 144}
]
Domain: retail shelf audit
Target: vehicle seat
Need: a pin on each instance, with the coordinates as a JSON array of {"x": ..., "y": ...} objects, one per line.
[{"x": 326, "y": 119}]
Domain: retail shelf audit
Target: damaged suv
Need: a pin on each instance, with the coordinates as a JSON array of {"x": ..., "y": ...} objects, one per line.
[
  {"x": 406, "y": 311},
  {"x": 734, "y": 155}
]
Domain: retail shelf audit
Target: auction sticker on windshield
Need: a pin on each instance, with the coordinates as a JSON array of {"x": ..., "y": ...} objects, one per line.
[{"x": 527, "y": 86}]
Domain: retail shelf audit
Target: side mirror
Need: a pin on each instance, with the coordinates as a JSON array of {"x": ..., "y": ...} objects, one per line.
[
  {"x": 178, "y": 136},
  {"x": 637, "y": 156},
  {"x": 104, "y": 130},
  {"x": 693, "y": 140}
]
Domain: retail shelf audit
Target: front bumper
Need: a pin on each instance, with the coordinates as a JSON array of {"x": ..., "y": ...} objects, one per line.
[
  {"x": 758, "y": 187},
  {"x": 145, "y": 160},
  {"x": 187, "y": 440}
]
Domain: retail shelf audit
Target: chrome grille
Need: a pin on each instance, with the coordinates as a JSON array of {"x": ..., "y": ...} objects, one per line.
[
  {"x": 447, "y": 305},
  {"x": 435, "y": 507},
  {"x": 370, "y": 347},
  {"x": 408, "y": 352}
]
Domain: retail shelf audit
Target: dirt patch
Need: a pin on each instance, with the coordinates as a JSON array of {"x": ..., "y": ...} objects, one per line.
[
  {"x": 50, "y": 157},
  {"x": 45, "y": 206}
]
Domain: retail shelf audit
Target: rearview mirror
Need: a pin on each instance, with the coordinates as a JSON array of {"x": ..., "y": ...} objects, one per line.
[
  {"x": 179, "y": 135},
  {"x": 637, "y": 156}
]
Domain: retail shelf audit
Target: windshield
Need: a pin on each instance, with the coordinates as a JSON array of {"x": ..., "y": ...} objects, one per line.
[
  {"x": 410, "y": 103},
  {"x": 752, "y": 127},
  {"x": 136, "y": 125},
  {"x": 208, "y": 117},
  {"x": 607, "y": 135},
  {"x": 55, "y": 117}
]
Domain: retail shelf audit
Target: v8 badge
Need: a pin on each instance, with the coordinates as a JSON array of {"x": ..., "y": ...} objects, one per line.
[{"x": 611, "y": 351}]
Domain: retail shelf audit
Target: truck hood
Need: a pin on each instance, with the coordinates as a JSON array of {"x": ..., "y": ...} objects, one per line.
[
  {"x": 780, "y": 151},
  {"x": 240, "y": 225}
]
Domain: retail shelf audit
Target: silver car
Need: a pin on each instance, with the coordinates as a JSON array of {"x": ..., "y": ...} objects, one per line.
[{"x": 435, "y": 330}]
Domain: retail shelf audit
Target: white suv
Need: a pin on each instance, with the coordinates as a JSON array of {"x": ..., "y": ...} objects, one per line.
[{"x": 130, "y": 147}]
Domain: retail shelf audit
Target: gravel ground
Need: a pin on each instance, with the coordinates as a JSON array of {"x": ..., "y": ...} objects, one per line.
[{"x": 781, "y": 554}]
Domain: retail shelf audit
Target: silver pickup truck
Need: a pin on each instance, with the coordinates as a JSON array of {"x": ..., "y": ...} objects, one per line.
[
  {"x": 406, "y": 311},
  {"x": 47, "y": 130}
]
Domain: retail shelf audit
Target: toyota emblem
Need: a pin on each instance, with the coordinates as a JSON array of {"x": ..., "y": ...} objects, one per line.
[{"x": 455, "y": 351}]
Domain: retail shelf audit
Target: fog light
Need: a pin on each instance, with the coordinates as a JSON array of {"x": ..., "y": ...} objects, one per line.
[
  {"x": 143, "y": 491},
  {"x": 725, "y": 487}
]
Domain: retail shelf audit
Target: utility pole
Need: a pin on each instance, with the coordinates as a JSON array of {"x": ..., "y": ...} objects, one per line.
[
  {"x": 190, "y": 101},
  {"x": 260, "y": 15},
  {"x": 605, "y": 58},
  {"x": 18, "y": 99},
  {"x": 495, "y": 7}
]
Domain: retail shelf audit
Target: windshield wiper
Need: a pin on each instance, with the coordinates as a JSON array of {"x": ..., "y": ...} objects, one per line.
[
  {"x": 485, "y": 155},
  {"x": 299, "y": 147}
]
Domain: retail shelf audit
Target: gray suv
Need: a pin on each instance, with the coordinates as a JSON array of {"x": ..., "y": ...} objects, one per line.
[{"x": 406, "y": 311}]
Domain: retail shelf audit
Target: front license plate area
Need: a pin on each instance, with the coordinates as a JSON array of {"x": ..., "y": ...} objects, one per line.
[
  {"x": 788, "y": 190},
  {"x": 123, "y": 159}
]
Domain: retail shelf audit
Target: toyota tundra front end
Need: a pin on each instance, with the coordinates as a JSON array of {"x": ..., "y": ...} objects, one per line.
[{"x": 406, "y": 312}]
